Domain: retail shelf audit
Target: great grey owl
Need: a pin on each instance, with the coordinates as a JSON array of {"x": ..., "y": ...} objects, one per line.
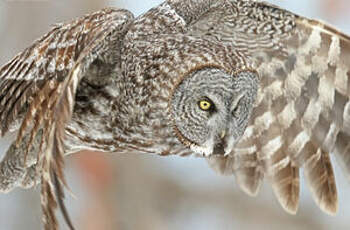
[{"x": 255, "y": 89}]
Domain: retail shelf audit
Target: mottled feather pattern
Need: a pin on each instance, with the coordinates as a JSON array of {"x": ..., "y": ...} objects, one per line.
[
  {"x": 106, "y": 82},
  {"x": 300, "y": 114},
  {"x": 308, "y": 113},
  {"x": 52, "y": 60},
  {"x": 302, "y": 100}
]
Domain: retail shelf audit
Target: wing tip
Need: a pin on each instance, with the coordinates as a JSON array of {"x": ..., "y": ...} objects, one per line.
[
  {"x": 249, "y": 186},
  {"x": 250, "y": 191},
  {"x": 330, "y": 205},
  {"x": 291, "y": 207},
  {"x": 330, "y": 209},
  {"x": 289, "y": 203}
]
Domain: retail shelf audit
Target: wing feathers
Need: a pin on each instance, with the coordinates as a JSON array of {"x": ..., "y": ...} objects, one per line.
[
  {"x": 249, "y": 179},
  {"x": 16, "y": 105},
  {"x": 285, "y": 184},
  {"x": 247, "y": 171},
  {"x": 312, "y": 81},
  {"x": 302, "y": 111},
  {"x": 320, "y": 178},
  {"x": 221, "y": 165},
  {"x": 42, "y": 82},
  {"x": 342, "y": 150}
]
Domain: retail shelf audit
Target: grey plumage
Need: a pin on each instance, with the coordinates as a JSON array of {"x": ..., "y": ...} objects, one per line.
[{"x": 276, "y": 85}]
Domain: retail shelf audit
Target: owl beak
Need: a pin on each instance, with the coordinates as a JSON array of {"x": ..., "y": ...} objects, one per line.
[{"x": 223, "y": 134}]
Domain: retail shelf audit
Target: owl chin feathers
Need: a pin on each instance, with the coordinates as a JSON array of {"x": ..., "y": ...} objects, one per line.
[{"x": 215, "y": 145}]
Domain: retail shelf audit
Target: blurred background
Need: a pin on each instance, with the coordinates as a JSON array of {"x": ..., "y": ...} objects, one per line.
[{"x": 131, "y": 192}]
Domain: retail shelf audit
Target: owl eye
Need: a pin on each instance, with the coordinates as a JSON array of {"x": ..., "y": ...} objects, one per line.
[
  {"x": 206, "y": 105},
  {"x": 235, "y": 111},
  {"x": 237, "y": 107}
]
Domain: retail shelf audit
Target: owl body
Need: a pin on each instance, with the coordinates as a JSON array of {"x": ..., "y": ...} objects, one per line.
[
  {"x": 257, "y": 90},
  {"x": 147, "y": 80}
]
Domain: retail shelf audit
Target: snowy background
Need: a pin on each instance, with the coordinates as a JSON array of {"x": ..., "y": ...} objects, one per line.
[{"x": 150, "y": 192}]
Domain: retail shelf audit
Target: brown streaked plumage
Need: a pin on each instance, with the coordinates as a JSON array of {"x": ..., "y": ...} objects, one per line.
[{"x": 108, "y": 82}]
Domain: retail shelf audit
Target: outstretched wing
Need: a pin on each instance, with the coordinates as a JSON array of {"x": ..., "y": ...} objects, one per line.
[
  {"x": 38, "y": 88},
  {"x": 302, "y": 113}
]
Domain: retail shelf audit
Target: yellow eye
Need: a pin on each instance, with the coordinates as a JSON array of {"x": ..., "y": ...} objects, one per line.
[{"x": 205, "y": 105}]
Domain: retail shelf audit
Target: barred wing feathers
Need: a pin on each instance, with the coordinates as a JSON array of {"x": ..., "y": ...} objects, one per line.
[
  {"x": 38, "y": 87},
  {"x": 302, "y": 113}
]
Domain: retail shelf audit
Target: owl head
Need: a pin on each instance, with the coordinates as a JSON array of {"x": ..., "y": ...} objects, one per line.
[{"x": 211, "y": 109}]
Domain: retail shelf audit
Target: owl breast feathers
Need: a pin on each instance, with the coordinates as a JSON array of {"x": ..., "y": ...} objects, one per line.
[{"x": 256, "y": 90}]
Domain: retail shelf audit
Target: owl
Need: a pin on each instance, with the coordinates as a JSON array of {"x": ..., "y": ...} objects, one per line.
[{"x": 256, "y": 90}]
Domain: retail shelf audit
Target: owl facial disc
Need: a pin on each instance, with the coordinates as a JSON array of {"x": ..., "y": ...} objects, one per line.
[{"x": 211, "y": 109}]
